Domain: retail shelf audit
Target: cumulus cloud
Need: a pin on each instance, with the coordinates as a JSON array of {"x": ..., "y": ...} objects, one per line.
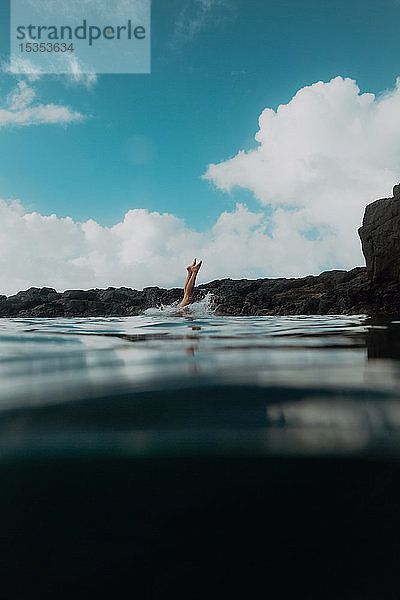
[
  {"x": 21, "y": 110},
  {"x": 145, "y": 248},
  {"x": 321, "y": 158}
]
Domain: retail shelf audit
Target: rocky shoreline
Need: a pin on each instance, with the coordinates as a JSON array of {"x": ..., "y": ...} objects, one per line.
[{"x": 371, "y": 290}]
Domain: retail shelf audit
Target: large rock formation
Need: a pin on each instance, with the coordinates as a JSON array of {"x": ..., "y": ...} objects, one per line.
[
  {"x": 380, "y": 239},
  {"x": 371, "y": 290}
]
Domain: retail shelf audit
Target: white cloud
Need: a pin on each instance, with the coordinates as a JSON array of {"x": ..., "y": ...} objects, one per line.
[
  {"x": 22, "y": 66},
  {"x": 322, "y": 157},
  {"x": 143, "y": 249},
  {"x": 76, "y": 71},
  {"x": 21, "y": 110}
]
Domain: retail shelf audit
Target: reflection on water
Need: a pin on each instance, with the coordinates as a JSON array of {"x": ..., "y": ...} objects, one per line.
[{"x": 164, "y": 383}]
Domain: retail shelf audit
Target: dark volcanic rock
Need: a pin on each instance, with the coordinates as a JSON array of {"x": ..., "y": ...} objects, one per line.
[
  {"x": 46, "y": 302},
  {"x": 81, "y": 295},
  {"x": 380, "y": 239},
  {"x": 371, "y": 290},
  {"x": 330, "y": 292}
]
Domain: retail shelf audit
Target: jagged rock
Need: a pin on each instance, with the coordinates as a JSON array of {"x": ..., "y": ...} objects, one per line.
[
  {"x": 329, "y": 292},
  {"x": 380, "y": 239},
  {"x": 396, "y": 192}
]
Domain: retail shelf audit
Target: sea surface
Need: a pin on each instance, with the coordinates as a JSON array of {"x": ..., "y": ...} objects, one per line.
[{"x": 193, "y": 383}]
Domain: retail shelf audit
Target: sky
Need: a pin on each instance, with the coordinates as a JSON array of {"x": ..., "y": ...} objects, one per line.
[{"x": 255, "y": 143}]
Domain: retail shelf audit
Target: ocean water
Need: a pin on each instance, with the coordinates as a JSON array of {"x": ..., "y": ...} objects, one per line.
[
  {"x": 168, "y": 383},
  {"x": 191, "y": 456}
]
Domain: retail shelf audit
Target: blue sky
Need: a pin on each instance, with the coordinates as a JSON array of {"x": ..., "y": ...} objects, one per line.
[{"x": 200, "y": 105}]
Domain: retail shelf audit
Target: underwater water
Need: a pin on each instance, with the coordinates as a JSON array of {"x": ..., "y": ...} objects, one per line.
[
  {"x": 195, "y": 456},
  {"x": 192, "y": 382}
]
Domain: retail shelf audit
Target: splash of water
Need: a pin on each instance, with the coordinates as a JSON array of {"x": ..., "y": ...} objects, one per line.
[{"x": 200, "y": 308}]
